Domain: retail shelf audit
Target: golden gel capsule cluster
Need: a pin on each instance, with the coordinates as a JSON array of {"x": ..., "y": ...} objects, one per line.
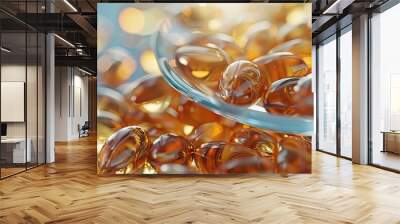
[
  {"x": 243, "y": 72},
  {"x": 185, "y": 137},
  {"x": 145, "y": 126}
]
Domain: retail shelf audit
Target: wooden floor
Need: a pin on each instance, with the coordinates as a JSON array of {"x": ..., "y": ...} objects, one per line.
[
  {"x": 69, "y": 191},
  {"x": 10, "y": 171}
]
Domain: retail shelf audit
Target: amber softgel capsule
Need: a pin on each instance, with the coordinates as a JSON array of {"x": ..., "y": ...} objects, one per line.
[
  {"x": 260, "y": 38},
  {"x": 201, "y": 17},
  {"x": 116, "y": 67},
  {"x": 222, "y": 41},
  {"x": 201, "y": 65},
  {"x": 256, "y": 139},
  {"x": 112, "y": 101},
  {"x": 208, "y": 132},
  {"x": 107, "y": 124},
  {"x": 170, "y": 149},
  {"x": 151, "y": 94},
  {"x": 290, "y": 96},
  {"x": 292, "y": 31},
  {"x": 127, "y": 145},
  {"x": 280, "y": 65},
  {"x": 193, "y": 114},
  {"x": 222, "y": 157},
  {"x": 299, "y": 47},
  {"x": 241, "y": 83},
  {"x": 295, "y": 155}
]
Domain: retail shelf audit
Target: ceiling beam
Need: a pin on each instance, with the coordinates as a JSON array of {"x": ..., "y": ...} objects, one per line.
[
  {"x": 84, "y": 24},
  {"x": 78, "y": 61}
]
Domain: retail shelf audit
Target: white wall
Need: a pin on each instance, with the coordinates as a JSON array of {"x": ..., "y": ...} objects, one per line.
[
  {"x": 33, "y": 127},
  {"x": 12, "y": 73},
  {"x": 71, "y": 94}
]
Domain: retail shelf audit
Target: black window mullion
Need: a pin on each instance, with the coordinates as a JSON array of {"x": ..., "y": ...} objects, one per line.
[
  {"x": 1, "y": 164},
  {"x": 369, "y": 96},
  {"x": 338, "y": 76},
  {"x": 26, "y": 87},
  {"x": 37, "y": 89},
  {"x": 316, "y": 114}
]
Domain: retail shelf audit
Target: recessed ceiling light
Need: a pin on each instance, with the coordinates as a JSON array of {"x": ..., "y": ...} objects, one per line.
[
  {"x": 70, "y": 5},
  {"x": 84, "y": 71},
  {"x": 64, "y": 40},
  {"x": 5, "y": 50},
  {"x": 337, "y": 7}
]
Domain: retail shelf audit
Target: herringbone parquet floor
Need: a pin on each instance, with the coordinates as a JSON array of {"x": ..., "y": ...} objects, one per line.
[{"x": 69, "y": 191}]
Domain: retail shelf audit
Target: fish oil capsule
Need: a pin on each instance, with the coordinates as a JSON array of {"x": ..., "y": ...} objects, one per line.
[
  {"x": 222, "y": 157},
  {"x": 194, "y": 114},
  {"x": 170, "y": 149},
  {"x": 203, "y": 64},
  {"x": 110, "y": 100},
  {"x": 107, "y": 124},
  {"x": 280, "y": 65},
  {"x": 291, "y": 31},
  {"x": 209, "y": 132},
  {"x": 256, "y": 139},
  {"x": 261, "y": 37},
  {"x": 290, "y": 96},
  {"x": 167, "y": 121},
  {"x": 151, "y": 94},
  {"x": 253, "y": 164},
  {"x": 152, "y": 131},
  {"x": 220, "y": 40},
  {"x": 299, "y": 47},
  {"x": 204, "y": 17},
  {"x": 238, "y": 32},
  {"x": 241, "y": 83},
  {"x": 295, "y": 155},
  {"x": 116, "y": 67},
  {"x": 175, "y": 169},
  {"x": 127, "y": 145}
]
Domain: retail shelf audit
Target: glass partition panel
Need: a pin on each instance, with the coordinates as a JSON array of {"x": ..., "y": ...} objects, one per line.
[
  {"x": 14, "y": 153},
  {"x": 327, "y": 96},
  {"x": 385, "y": 89},
  {"x": 22, "y": 88},
  {"x": 346, "y": 93}
]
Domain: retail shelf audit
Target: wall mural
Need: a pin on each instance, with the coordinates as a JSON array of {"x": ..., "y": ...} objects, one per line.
[{"x": 204, "y": 88}]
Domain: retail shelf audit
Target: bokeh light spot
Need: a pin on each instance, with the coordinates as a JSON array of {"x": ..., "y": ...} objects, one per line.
[
  {"x": 149, "y": 62},
  {"x": 131, "y": 20}
]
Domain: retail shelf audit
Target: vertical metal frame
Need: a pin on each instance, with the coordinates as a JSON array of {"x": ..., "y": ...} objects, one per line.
[
  {"x": 338, "y": 153},
  {"x": 44, "y": 79},
  {"x": 338, "y": 75},
  {"x": 0, "y": 92},
  {"x": 37, "y": 90},
  {"x": 316, "y": 97},
  {"x": 26, "y": 87},
  {"x": 369, "y": 96}
]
